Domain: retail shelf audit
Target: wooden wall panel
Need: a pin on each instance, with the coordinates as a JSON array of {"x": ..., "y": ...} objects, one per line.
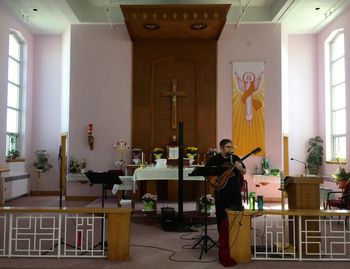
[{"x": 155, "y": 64}]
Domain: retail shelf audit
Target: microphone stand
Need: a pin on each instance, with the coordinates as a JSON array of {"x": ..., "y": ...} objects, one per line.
[{"x": 304, "y": 163}]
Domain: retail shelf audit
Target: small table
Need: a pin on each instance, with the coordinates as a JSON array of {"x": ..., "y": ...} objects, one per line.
[{"x": 266, "y": 179}]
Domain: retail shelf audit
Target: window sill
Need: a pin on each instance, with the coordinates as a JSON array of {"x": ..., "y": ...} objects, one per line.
[
  {"x": 336, "y": 162},
  {"x": 15, "y": 161}
]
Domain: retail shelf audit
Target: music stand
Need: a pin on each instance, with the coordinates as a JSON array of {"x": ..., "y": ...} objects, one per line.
[
  {"x": 103, "y": 178},
  {"x": 205, "y": 172}
]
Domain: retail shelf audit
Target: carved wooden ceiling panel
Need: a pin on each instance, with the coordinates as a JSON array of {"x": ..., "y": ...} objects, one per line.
[{"x": 175, "y": 21}]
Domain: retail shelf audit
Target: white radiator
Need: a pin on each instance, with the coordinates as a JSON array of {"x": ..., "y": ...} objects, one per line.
[{"x": 16, "y": 186}]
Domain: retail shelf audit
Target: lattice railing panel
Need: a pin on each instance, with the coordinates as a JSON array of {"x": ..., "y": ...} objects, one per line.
[
  {"x": 52, "y": 235},
  {"x": 300, "y": 237}
]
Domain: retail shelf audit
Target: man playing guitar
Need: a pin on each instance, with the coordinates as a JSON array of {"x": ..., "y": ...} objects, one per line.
[
  {"x": 230, "y": 195},
  {"x": 227, "y": 197}
]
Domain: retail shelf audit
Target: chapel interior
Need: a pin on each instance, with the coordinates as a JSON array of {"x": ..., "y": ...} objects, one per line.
[{"x": 103, "y": 100}]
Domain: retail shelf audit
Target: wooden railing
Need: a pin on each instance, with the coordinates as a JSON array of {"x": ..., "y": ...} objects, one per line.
[
  {"x": 289, "y": 235},
  {"x": 66, "y": 232}
]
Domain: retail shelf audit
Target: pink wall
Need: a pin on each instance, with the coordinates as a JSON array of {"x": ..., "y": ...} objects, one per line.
[
  {"x": 7, "y": 23},
  {"x": 100, "y": 89},
  {"x": 252, "y": 42},
  {"x": 302, "y": 97},
  {"x": 342, "y": 21},
  {"x": 100, "y": 92},
  {"x": 46, "y": 106}
]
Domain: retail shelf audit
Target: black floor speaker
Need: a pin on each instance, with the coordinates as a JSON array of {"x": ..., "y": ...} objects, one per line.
[{"x": 168, "y": 218}]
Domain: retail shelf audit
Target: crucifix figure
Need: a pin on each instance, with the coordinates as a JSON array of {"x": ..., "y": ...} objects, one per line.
[{"x": 173, "y": 94}]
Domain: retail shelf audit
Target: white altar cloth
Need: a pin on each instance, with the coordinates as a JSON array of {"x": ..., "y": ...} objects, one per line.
[
  {"x": 167, "y": 173},
  {"x": 128, "y": 183}
]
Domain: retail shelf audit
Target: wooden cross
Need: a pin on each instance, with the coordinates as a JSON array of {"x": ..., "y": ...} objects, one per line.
[{"x": 173, "y": 94}]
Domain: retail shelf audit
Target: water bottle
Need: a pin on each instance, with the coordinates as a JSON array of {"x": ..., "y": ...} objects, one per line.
[
  {"x": 252, "y": 201},
  {"x": 260, "y": 202}
]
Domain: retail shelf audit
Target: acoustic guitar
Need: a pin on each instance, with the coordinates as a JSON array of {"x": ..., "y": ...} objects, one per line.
[{"x": 219, "y": 182}]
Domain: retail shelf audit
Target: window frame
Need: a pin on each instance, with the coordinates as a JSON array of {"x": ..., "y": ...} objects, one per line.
[
  {"x": 334, "y": 137},
  {"x": 19, "y": 110}
]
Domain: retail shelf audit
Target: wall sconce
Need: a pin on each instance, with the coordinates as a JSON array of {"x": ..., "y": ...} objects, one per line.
[{"x": 90, "y": 137}]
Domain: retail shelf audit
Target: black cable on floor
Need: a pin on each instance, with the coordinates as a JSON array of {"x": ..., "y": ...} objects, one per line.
[{"x": 172, "y": 253}]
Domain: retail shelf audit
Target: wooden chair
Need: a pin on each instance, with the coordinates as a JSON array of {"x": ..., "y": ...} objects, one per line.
[{"x": 342, "y": 202}]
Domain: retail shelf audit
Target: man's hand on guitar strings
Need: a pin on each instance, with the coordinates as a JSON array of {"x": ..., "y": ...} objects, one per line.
[{"x": 239, "y": 166}]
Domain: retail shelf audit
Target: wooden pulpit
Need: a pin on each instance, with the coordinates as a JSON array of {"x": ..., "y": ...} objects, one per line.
[{"x": 304, "y": 194}]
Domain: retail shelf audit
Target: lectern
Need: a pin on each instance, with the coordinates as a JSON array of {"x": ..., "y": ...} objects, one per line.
[{"x": 304, "y": 193}]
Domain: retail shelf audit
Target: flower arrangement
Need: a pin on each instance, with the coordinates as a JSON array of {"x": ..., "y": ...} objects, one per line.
[
  {"x": 148, "y": 197},
  {"x": 341, "y": 175},
  {"x": 191, "y": 151},
  {"x": 74, "y": 165},
  {"x": 158, "y": 151},
  {"x": 207, "y": 199}
]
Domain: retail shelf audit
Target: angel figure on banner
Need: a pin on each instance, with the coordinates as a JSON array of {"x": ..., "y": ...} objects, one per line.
[{"x": 249, "y": 84}]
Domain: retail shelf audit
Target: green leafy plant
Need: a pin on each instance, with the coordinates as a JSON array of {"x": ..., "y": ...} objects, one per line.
[
  {"x": 42, "y": 160},
  {"x": 13, "y": 154},
  {"x": 73, "y": 165},
  {"x": 341, "y": 175},
  {"x": 315, "y": 154}
]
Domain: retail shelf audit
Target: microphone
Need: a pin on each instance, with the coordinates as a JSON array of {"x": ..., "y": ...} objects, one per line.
[{"x": 304, "y": 163}]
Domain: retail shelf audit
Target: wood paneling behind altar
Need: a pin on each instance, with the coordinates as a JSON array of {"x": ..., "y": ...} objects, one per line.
[{"x": 174, "y": 75}]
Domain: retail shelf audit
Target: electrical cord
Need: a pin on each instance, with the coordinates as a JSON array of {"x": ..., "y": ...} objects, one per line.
[
  {"x": 173, "y": 253},
  {"x": 239, "y": 227}
]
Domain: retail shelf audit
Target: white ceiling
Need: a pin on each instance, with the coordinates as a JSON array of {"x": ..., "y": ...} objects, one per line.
[{"x": 297, "y": 16}]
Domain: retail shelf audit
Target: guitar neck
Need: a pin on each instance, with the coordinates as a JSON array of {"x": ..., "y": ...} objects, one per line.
[{"x": 246, "y": 156}]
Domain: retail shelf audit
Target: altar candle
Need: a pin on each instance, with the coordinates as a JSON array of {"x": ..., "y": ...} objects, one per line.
[{"x": 142, "y": 157}]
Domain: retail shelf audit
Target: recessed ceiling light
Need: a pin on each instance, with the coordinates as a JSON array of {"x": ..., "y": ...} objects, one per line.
[
  {"x": 198, "y": 26},
  {"x": 151, "y": 26},
  {"x": 35, "y": 9},
  {"x": 317, "y": 8}
]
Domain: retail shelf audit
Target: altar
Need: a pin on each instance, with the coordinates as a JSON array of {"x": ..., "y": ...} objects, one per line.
[{"x": 170, "y": 174}]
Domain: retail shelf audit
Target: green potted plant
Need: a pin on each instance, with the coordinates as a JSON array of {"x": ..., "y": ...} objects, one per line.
[
  {"x": 341, "y": 177},
  {"x": 13, "y": 154},
  {"x": 315, "y": 154},
  {"x": 206, "y": 202},
  {"x": 42, "y": 161}
]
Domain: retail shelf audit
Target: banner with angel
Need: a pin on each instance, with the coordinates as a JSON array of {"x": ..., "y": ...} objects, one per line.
[{"x": 248, "y": 107}]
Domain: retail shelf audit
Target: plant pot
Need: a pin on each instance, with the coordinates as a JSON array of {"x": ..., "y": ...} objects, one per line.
[
  {"x": 313, "y": 170},
  {"x": 148, "y": 206},
  {"x": 342, "y": 184},
  {"x": 208, "y": 208}
]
